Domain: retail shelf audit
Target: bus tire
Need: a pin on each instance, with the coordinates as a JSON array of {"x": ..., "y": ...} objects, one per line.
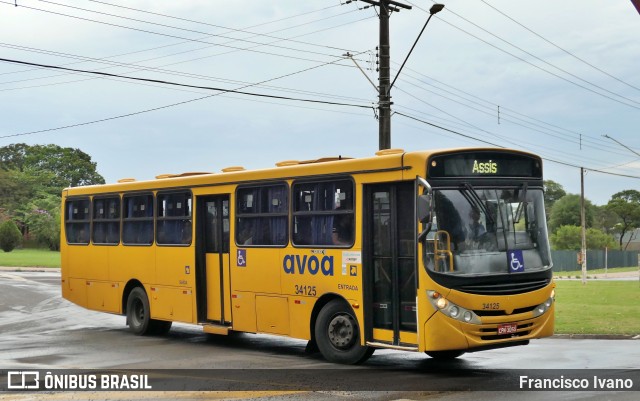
[
  {"x": 444, "y": 355},
  {"x": 138, "y": 312},
  {"x": 159, "y": 327},
  {"x": 338, "y": 334}
]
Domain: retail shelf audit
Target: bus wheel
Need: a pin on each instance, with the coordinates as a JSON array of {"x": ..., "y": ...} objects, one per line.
[
  {"x": 338, "y": 335},
  {"x": 138, "y": 314},
  {"x": 160, "y": 327},
  {"x": 444, "y": 355}
]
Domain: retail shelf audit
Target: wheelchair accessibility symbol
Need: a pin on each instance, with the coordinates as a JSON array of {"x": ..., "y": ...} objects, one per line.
[
  {"x": 516, "y": 261},
  {"x": 242, "y": 258}
]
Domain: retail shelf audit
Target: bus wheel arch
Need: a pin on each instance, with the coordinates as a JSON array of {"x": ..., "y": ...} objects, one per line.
[
  {"x": 138, "y": 311},
  {"x": 336, "y": 332},
  {"x": 125, "y": 294}
]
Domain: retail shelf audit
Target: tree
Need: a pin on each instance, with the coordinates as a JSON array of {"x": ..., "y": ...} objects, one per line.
[
  {"x": 10, "y": 236},
  {"x": 566, "y": 211},
  {"x": 570, "y": 237},
  {"x": 552, "y": 192},
  {"x": 626, "y": 205},
  {"x": 70, "y": 167},
  {"x": 31, "y": 181},
  {"x": 605, "y": 219},
  {"x": 43, "y": 219}
]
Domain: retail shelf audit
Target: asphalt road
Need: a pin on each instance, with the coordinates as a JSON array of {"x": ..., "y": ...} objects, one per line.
[{"x": 41, "y": 331}]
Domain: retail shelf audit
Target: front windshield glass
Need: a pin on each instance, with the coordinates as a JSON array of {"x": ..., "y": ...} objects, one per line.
[{"x": 488, "y": 231}]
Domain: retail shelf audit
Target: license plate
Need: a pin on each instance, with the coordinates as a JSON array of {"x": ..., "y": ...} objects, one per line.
[{"x": 509, "y": 328}]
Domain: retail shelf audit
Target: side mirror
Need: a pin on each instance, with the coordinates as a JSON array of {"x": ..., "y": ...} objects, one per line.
[{"x": 424, "y": 208}]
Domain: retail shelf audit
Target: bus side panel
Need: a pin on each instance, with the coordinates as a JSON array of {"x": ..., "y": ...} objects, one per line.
[
  {"x": 300, "y": 309},
  {"x": 175, "y": 266},
  {"x": 99, "y": 259},
  {"x": 244, "y": 311},
  {"x": 79, "y": 260},
  {"x": 133, "y": 262},
  {"x": 103, "y": 296},
  {"x": 78, "y": 291},
  {"x": 256, "y": 270},
  {"x": 171, "y": 303},
  {"x": 273, "y": 314}
]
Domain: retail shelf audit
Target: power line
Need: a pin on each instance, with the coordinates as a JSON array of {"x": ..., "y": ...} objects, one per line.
[
  {"x": 188, "y": 41},
  {"x": 172, "y": 104},
  {"x": 153, "y": 69},
  {"x": 448, "y": 130},
  {"x": 500, "y": 146},
  {"x": 560, "y": 48},
  {"x": 135, "y": 66},
  {"x": 537, "y": 66},
  {"x": 500, "y": 137},
  {"x": 492, "y": 105},
  {"x": 216, "y": 26},
  {"x": 540, "y": 59},
  {"x": 506, "y": 117},
  {"x": 184, "y": 38},
  {"x": 158, "y": 81},
  {"x": 195, "y": 31}
]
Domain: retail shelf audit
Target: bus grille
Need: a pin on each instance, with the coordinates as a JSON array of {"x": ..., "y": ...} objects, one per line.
[{"x": 504, "y": 288}]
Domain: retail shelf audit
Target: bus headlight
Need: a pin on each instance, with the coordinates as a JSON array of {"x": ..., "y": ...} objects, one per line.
[
  {"x": 441, "y": 303},
  {"x": 452, "y": 310},
  {"x": 543, "y": 307}
]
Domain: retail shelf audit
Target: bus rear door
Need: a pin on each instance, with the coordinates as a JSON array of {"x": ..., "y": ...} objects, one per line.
[{"x": 214, "y": 292}]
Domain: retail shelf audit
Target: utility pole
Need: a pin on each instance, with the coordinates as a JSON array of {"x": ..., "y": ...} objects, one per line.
[
  {"x": 583, "y": 224},
  {"x": 384, "y": 92},
  {"x": 386, "y": 7}
]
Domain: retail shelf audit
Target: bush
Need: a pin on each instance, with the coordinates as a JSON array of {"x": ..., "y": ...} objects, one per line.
[
  {"x": 42, "y": 216},
  {"x": 10, "y": 236},
  {"x": 570, "y": 237}
]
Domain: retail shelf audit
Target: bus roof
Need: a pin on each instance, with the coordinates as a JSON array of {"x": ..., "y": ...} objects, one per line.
[{"x": 384, "y": 160}]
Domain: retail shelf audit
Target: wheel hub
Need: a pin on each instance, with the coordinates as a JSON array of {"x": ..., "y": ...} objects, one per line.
[{"x": 341, "y": 331}]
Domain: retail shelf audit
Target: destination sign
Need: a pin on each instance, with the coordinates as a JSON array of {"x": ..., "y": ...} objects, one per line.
[{"x": 484, "y": 164}]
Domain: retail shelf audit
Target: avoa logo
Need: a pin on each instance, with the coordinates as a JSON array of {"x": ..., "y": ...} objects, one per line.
[
  {"x": 293, "y": 264},
  {"x": 489, "y": 167}
]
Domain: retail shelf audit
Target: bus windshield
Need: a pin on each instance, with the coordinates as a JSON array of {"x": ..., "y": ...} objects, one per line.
[{"x": 488, "y": 231}]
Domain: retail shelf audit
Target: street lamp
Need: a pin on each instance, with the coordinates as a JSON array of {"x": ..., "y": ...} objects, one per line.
[
  {"x": 436, "y": 8},
  {"x": 621, "y": 144}
]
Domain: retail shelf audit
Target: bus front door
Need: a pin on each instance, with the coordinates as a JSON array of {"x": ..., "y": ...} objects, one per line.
[
  {"x": 214, "y": 302},
  {"x": 389, "y": 252}
]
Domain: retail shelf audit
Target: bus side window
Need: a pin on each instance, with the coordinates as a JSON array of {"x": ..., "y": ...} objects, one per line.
[
  {"x": 174, "y": 219},
  {"x": 138, "y": 220},
  {"x": 262, "y": 215},
  {"x": 323, "y": 213},
  {"x": 77, "y": 221}
]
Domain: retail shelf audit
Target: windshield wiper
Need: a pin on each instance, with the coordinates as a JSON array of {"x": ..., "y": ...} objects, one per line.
[
  {"x": 522, "y": 205},
  {"x": 475, "y": 201}
]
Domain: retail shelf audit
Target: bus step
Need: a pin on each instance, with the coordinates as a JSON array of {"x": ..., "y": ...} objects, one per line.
[
  {"x": 390, "y": 346},
  {"x": 216, "y": 329}
]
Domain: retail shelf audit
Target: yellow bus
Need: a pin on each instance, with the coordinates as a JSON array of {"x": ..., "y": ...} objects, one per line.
[{"x": 443, "y": 252}]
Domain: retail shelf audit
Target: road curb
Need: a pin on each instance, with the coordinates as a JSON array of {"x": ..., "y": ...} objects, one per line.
[
  {"x": 596, "y": 337},
  {"x": 30, "y": 269}
]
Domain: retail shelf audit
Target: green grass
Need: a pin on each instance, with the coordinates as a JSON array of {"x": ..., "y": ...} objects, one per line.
[
  {"x": 590, "y": 272},
  {"x": 30, "y": 257},
  {"x": 599, "y": 307}
]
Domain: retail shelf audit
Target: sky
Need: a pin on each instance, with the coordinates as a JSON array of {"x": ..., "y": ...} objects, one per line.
[{"x": 546, "y": 77}]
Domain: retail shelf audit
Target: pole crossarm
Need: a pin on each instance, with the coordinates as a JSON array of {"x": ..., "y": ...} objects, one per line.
[{"x": 392, "y": 2}]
